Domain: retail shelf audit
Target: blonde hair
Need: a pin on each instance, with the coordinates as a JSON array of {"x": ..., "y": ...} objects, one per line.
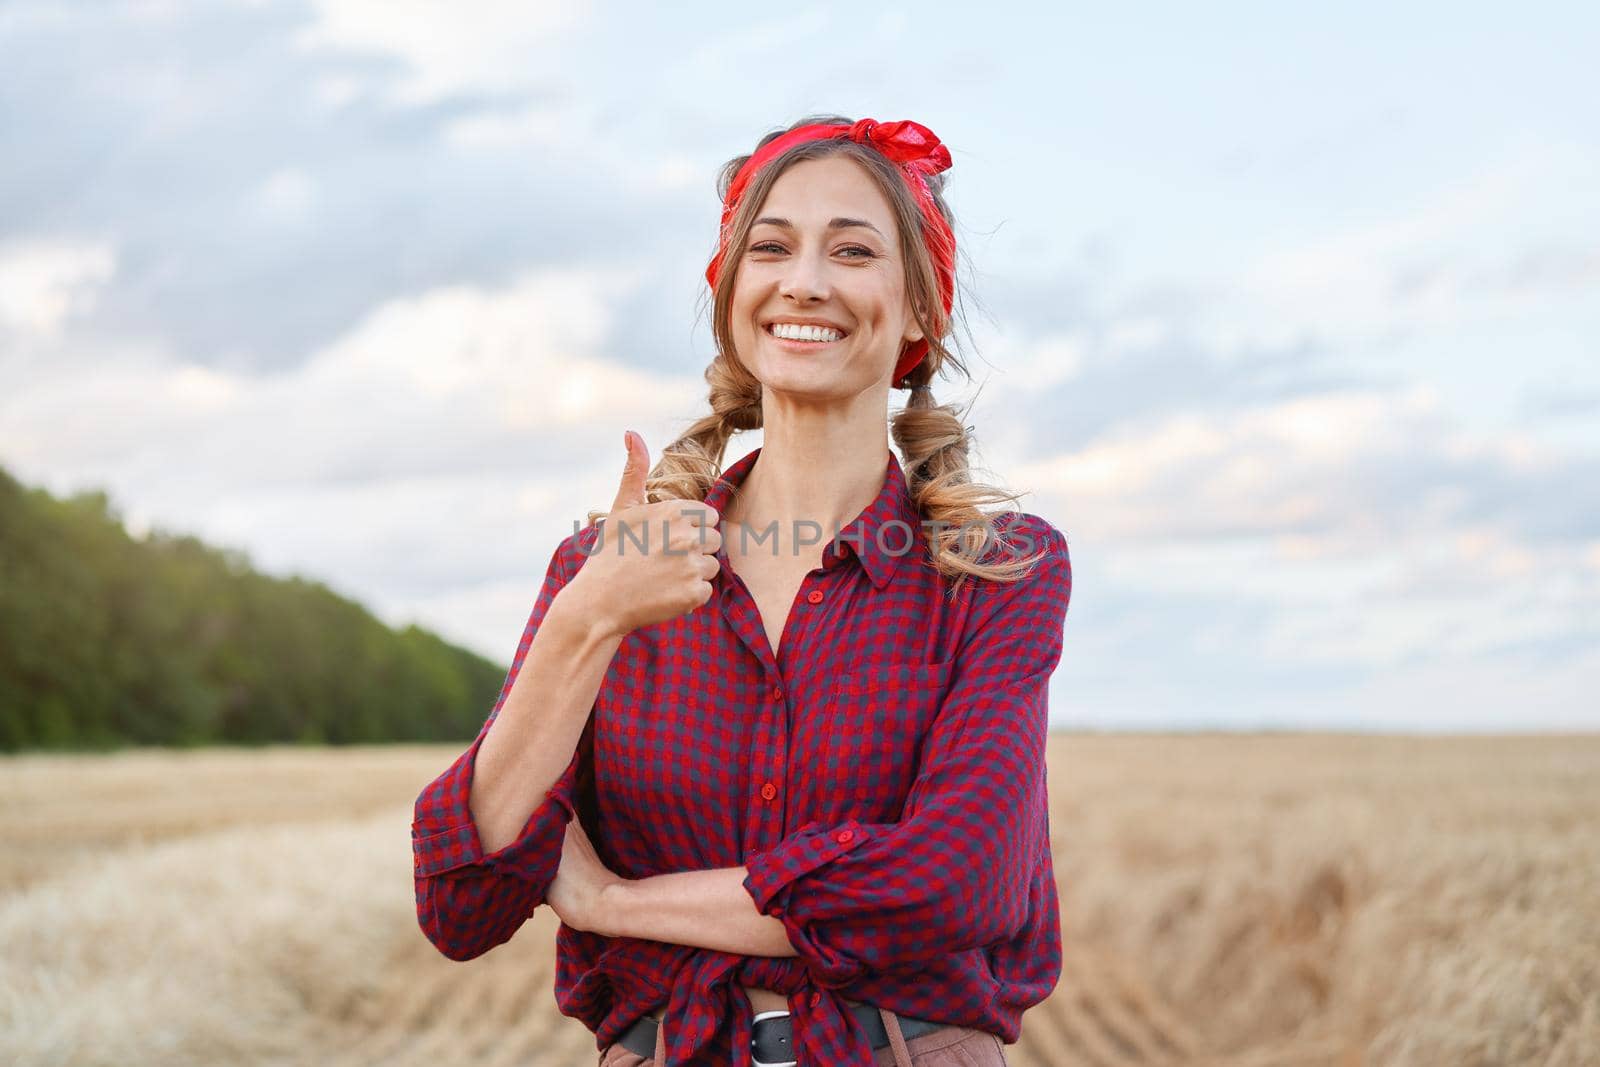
[{"x": 931, "y": 437}]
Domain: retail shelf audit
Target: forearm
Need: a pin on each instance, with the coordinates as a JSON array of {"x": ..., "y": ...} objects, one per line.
[
  {"x": 704, "y": 909},
  {"x": 533, "y": 737}
]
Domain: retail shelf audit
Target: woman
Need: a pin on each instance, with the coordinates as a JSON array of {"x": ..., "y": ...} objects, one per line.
[{"x": 785, "y": 790}]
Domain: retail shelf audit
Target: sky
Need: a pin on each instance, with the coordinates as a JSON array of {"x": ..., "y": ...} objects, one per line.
[{"x": 1288, "y": 317}]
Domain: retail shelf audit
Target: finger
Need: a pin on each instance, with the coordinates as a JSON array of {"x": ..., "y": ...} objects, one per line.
[
  {"x": 701, "y": 514},
  {"x": 631, "y": 490}
]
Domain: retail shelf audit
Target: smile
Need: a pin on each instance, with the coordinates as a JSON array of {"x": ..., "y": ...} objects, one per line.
[{"x": 804, "y": 336}]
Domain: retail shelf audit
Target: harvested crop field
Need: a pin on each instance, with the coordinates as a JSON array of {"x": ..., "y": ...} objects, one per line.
[{"x": 1227, "y": 899}]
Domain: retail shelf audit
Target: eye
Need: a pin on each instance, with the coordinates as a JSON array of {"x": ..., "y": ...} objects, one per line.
[{"x": 772, "y": 246}]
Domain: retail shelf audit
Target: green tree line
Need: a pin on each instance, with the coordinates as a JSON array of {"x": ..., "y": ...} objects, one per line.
[{"x": 108, "y": 641}]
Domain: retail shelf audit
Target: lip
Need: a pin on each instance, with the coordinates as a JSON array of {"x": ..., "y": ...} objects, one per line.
[{"x": 802, "y": 346}]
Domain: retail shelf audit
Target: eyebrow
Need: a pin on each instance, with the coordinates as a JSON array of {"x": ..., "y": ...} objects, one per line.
[{"x": 833, "y": 224}]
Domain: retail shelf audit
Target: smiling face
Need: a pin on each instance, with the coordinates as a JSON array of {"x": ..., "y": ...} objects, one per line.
[{"x": 824, "y": 250}]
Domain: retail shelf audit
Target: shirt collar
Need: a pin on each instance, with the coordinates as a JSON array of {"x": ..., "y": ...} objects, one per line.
[{"x": 887, "y": 531}]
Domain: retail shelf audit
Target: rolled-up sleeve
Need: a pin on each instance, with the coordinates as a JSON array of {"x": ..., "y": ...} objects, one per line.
[
  {"x": 958, "y": 871},
  {"x": 469, "y": 901}
]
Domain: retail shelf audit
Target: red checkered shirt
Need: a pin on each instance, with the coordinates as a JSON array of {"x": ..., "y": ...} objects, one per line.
[{"x": 882, "y": 780}]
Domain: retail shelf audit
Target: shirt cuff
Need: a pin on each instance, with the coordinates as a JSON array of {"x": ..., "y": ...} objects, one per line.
[
  {"x": 436, "y": 850},
  {"x": 770, "y": 880}
]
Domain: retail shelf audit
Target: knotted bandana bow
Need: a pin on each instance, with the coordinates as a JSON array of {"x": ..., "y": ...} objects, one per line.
[{"x": 917, "y": 152}]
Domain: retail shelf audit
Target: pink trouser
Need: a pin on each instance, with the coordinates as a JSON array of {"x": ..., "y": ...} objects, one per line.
[{"x": 949, "y": 1046}]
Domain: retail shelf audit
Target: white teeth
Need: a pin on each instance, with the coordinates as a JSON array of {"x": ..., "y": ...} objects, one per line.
[{"x": 793, "y": 332}]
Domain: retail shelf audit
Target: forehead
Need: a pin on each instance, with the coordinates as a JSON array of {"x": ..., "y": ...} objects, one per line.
[{"x": 815, "y": 190}]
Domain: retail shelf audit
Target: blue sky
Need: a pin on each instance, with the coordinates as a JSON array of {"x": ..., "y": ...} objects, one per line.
[{"x": 1288, "y": 317}]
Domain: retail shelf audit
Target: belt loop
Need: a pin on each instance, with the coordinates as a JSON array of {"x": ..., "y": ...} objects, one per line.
[
  {"x": 897, "y": 1040},
  {"x": 660, "y": 1058}
]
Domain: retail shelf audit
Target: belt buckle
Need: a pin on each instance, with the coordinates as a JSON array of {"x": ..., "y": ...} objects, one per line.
[{"x": 764, "y": 1063}]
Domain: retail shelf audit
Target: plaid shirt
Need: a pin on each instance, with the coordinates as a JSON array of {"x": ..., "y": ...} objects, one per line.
[{"x": 883, "y": 780}]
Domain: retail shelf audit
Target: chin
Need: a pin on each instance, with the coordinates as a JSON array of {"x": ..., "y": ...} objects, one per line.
[
  {"x": 819, "y": 383},
  {"x": 797, "y": 379}
]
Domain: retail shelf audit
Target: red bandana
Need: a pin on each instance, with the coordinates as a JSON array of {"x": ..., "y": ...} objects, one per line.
[{"x": 917, "y": 150}]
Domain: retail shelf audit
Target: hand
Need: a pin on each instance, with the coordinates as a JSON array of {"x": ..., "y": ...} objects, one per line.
[
  {"x": 662, "y": 567},
  {"x": 581, "y": 879}
]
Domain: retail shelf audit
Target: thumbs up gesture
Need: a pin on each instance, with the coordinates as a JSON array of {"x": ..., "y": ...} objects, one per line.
[{"x": 652, "y": 561}]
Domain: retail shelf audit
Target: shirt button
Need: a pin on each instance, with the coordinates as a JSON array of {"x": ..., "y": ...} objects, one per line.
[
  {"x": 844, "y": 836},
  {"x": 777, "y": 692},
  {"x": 816, "y": 998},
  {"x": 769, "y": 791},
  {"x": 815, "y": 596}
]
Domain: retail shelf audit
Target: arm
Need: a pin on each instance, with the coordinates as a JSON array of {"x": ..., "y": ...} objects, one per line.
[
  {"x": 704, "y": 909},
  {"x": 487, "y": 833},
  {"x": 958, "y": 871}
]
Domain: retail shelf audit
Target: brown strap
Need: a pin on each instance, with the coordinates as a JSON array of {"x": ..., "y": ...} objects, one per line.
[{"x": 897, "y": 1040}]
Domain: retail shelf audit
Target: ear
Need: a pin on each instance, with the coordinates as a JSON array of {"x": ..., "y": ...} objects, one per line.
[{"x": 913, "y": 332}]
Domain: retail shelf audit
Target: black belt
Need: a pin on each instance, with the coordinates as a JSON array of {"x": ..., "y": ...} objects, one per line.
[{"x": 770, "y": 1039}]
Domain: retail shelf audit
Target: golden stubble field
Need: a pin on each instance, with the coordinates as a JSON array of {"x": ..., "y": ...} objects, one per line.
[{"x": 1227, "y": 900}]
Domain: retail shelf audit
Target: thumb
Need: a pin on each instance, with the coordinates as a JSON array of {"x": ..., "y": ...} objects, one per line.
[{"x": 632, "y": 490}]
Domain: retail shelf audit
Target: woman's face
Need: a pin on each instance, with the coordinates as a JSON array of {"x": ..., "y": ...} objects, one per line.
[{"x": 824, "y": 249}]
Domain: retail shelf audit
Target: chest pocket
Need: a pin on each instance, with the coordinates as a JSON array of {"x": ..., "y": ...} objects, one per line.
[{"x": 873, "y": 728}]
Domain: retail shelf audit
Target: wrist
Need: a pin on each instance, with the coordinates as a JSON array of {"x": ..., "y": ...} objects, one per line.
[
  {"x": 611, "y": 905},
  {"x": 573, "y": 610}
]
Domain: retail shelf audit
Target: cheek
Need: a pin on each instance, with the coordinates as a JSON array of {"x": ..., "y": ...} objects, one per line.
[
  {"x": 741, "y": 303},
  {"x": 738, "y": 315}
]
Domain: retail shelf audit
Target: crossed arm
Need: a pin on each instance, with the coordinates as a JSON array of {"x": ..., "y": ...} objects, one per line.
[{"x": 705, "y": 909}]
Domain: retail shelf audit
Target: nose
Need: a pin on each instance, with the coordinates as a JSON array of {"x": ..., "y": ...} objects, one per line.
[{"x": 804, "y": 280}]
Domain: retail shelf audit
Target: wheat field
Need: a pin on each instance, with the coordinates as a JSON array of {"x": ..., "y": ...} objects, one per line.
[{"x": 1238, "y": 900}]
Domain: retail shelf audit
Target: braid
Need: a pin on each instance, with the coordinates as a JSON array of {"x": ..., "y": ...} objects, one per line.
[
  {"x": 937, "y": 446},
  {"x": 689, "y": 466}
]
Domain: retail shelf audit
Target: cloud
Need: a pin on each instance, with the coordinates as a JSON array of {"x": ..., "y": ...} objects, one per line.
[
  {"x": 1361, "y": 531},
  {"x": 1062, "y": 387},
  {"x": 756, "y": 42},
  {"x": 1261, "y": 536},
  {"x": 45, "y": 281},
  {"x": 1310, "y": 466},
  {"x": 1493, "y": 245},
  {"x": 494, "y": 48},
  {"x": 422, "y": 461},
  {"x": 286, "y": 196},
  {"x": 1568, "y": 400},
  {"x": 263, "y": 194}
]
